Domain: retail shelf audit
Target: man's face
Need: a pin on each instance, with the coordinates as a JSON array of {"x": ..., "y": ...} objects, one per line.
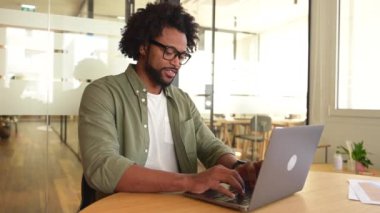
[{"x": 163, "y": 71}]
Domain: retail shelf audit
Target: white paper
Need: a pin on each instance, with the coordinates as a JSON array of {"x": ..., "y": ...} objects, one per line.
[
  {"x": 351, "y": 193},
  {"x": 367, "y": 191}
]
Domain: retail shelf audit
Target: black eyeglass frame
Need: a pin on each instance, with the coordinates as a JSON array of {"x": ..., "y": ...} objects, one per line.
[{"x": 183, "y": 57}]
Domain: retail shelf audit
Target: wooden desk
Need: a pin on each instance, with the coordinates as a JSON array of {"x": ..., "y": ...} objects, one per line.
[{"x": 323, "y": 192}]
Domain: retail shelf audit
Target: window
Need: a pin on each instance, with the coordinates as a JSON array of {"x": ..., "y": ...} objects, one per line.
[{"x": 359, "y": 65}]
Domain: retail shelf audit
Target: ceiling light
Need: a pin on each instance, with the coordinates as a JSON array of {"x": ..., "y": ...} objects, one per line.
[{"x": 28, "y": 7}]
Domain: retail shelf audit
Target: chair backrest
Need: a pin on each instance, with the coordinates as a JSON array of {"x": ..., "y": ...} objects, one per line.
[
  {"x": 261, "y": 123},
  {"x": 88, "y": 194}
]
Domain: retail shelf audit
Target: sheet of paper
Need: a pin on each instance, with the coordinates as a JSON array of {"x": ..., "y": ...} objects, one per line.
[
  {"x": 351, "y": 193},
  {"x": 367, "y": 191}
]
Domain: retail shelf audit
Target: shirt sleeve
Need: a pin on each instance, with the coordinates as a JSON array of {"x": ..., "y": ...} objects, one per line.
[{"x": 102, "y": 163}]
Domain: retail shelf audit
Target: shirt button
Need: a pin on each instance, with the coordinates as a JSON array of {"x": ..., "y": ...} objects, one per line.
[
  {"x": 143, "y": 100},
  {"x": 146, "y": 150},
  {"x": 144, "y": 90},
  {"x": 137, "y": 91},
  {"x": 145, "y": 126}
]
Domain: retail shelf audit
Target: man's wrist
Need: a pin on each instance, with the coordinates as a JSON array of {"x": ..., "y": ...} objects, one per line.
[
  {"x": 238, "y": 163},
  {"x": 186, "y": 182}
]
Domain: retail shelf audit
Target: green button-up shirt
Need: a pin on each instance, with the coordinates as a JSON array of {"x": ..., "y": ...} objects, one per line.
[{"x": 113, "y": 130}]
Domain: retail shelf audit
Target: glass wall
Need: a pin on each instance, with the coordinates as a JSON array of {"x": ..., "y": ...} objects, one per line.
[
  {"x": 49, "y": 52},
  {"x": 252, "y": 59},
  {"x": 256, "y": 62},
  {"x": 260, "y": 56}
]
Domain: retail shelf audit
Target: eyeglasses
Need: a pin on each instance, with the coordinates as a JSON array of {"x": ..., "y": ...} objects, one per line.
[{"x": 170, "y": 53}]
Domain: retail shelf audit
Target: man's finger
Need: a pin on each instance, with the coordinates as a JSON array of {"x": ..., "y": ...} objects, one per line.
[{"x": 221, "y": 189}]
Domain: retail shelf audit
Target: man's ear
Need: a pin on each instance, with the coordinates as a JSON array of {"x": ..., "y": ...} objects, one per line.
[{"x": 143, "y": 49}]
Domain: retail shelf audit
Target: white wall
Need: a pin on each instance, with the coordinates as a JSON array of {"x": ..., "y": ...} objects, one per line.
[{"x": 339, "y": 125}]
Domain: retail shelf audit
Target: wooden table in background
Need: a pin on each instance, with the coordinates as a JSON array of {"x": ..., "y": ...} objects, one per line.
[
  {"x": 241, "y": 125},
  {"x": 237, "y": 126},
  {"x": 323, "y": 192},
  {"x": 282, "y": 122}
]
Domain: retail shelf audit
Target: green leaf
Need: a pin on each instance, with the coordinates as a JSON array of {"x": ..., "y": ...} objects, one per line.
[{"x": 359, "y": 153}]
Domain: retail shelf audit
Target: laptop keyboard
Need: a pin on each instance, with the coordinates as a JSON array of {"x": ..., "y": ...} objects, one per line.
[{"x": 238, "y": 199}]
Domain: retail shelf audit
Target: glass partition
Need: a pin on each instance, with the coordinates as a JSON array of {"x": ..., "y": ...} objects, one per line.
[
  {"x": 49, "y": 52},
  {"x": 261, "y": 57},
  {"x": 256, "y": 62}
]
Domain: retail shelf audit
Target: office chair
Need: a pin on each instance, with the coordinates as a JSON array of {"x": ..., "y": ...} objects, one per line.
[
  {"x": 88, "y": 194},
  {"x": 258, "y": 136},
  {"x": 6, "y": 125}
]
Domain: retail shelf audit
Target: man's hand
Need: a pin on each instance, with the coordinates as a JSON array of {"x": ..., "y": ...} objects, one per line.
[
  {"x": 249, "y": 172},
  {"x": 212, "y": 179}
]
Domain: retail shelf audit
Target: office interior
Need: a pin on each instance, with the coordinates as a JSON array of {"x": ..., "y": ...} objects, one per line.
[{"x": 281, "y": 58}]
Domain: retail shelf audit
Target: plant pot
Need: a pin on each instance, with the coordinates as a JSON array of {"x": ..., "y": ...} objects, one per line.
[{"x": 359, "y": 167}]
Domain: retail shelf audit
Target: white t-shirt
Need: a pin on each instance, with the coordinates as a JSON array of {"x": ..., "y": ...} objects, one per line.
[{"x": 161, "y": 153}]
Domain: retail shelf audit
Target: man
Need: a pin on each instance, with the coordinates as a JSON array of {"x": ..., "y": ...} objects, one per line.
[{"x": 138, "y": 133}]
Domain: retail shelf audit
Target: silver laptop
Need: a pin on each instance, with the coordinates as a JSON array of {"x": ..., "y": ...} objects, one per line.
[{"x": 283, "y": 172}]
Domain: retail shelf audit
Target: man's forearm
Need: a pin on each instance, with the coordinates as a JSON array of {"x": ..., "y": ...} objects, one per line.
[{"x": 140, "y": 179}]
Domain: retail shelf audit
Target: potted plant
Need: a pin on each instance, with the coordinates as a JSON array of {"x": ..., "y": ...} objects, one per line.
[{"x": 357, "y": 153}]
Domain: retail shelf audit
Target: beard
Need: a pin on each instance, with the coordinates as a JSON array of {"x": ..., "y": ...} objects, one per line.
[{"x": 156, "y": 75}]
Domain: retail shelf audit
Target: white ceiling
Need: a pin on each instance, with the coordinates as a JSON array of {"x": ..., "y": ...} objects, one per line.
[{"x": 250, "y": 15}]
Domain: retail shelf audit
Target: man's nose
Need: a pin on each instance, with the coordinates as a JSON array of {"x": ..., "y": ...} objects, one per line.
[{"x": 176, "y": 61}]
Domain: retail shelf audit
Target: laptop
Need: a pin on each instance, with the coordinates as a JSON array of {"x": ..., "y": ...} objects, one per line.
[{"x": 283, "y": 172}]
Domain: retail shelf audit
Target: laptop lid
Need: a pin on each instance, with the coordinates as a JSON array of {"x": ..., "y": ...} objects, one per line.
[
  {"x": 286, "y": 164},
  {"x": 283, "y": 172}
]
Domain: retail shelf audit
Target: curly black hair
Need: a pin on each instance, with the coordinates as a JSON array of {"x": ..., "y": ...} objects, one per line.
[{"x": 148, "y": 23}]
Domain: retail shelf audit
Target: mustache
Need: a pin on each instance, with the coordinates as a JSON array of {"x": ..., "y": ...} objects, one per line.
[{"x": 174, "y": 69}]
